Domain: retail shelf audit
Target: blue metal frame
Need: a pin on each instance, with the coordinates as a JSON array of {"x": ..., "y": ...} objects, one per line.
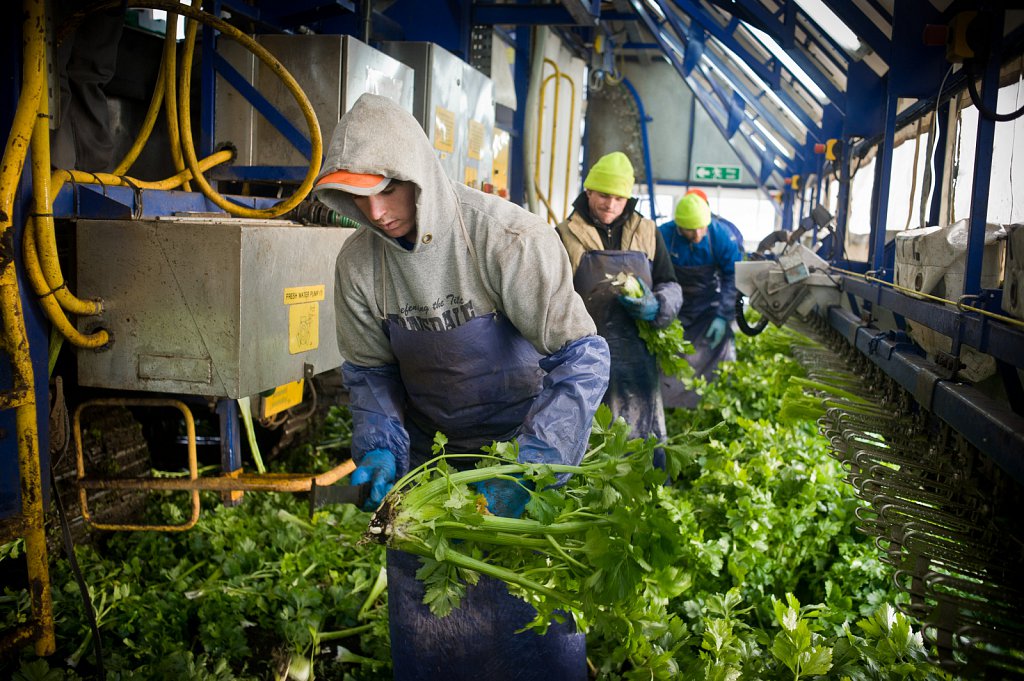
[
  {"x": 261, "y": 104},
  {"x": 769, "y": 74},
  {"x": 989, "y": 425},
  {"x": 1002, "y": 341},
  {"x": 715, "y": 109},
  {"x": 781, "y": 27},
  {"x": 983, "y": 168},
  {"x": 97, "y": 202}
]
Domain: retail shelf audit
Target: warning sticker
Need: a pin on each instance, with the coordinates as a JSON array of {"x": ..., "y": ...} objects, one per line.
[
  {"x": 303, "y": 294},
  {"x": 444, "y": 129},
  {"x": 303, "y": 327}
]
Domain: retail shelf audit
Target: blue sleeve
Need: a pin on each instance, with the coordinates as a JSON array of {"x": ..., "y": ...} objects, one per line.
[
  {"x": 726, "y": 254},
  {"x": 557, "y": 427},
  {"x": 377, "y": 399},
  {"x": 670, "y": 299}
]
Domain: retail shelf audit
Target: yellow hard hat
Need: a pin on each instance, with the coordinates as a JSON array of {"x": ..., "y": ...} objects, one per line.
[
  {"x": 612, "y": 174},
  {"x": 692, "y": 212}
]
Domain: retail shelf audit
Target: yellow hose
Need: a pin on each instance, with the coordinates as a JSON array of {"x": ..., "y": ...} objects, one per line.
[
  {"x": 147, "y": 124},
  {"x": 16, "y": 149},
  {"x": 82, "y": 177},
  {"x": 184, "y": 111},
  {"x": 15, "y": 338},
  {"x": 41, "y": 263},
  {"x": 42, "y": 257},
  {"x": 171, "y": 94}
]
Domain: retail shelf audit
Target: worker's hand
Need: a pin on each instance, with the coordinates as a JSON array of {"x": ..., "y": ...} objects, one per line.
[
  {"x": 378, "y": 469},
  {"x": 507, "y": 498},
  {"x": 716, "y": 332},
  {"x": 645, "y": 307}
]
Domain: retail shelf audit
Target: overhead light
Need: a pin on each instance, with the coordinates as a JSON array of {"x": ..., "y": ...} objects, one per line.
[
  {"x": 791, "y": 65},
  {"x": 832, "y": 25}
]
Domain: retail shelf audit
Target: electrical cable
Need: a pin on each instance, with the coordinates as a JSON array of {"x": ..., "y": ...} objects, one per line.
[
  {"x": 69, "y": 549},
  {"x": 913, "y": 176},
  {"x": 76, "y": 571},
  {"x": 746, "y": 327},
  {"x": 972, "y": 88},
  {"x": 933, "y": 138}
]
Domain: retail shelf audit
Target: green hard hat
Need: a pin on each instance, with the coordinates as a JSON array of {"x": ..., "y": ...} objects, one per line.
[
  {"x": 692, "y": 212},
  {"x": 612, "y": 174}
]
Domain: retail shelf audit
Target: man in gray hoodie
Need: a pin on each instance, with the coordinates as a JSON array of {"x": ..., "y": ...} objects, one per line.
[{"x": 455, "y": 313}]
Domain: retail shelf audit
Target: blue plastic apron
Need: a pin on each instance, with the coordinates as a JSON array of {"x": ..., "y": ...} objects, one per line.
[
  {"x": 700, "y": 307},
  {"x": 475, "y": 383},
  {"x": 633, "y": 389}
]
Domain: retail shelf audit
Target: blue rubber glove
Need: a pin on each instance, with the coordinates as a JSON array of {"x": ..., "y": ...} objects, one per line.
[
  {"x": 506, "y": 498},
  {"x": 645, "y": 307},
  {"x": 716, "y": 331},
  {"x": 378, "y": 469}
]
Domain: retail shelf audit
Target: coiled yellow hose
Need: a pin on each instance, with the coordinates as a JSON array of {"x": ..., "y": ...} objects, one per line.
[{"x": 41, "y": 262}]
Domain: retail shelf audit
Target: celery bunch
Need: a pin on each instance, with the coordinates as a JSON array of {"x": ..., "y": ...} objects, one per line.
[
  {"x": 602, "y": 546},
  {"x": 666, "y": 344}
]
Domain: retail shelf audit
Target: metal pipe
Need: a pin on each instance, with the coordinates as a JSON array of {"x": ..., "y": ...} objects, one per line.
[
  {"x": 234, "y": 481},
  {"x": 246, "y": 482},
  {"x": 193, "y": 467},
  {"x": 980, "y": 185},
  {"x": 366, "y": 19}
]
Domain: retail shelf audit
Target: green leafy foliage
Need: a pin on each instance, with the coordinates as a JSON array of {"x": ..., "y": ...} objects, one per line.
[
  {"x": 603, "y": 546},
  {"x": 701, "y": 579},
  {"x": 227, "y": 599}
]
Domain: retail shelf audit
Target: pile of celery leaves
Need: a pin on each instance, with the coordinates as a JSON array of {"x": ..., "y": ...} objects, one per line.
[{"x": 599, "y": 542}]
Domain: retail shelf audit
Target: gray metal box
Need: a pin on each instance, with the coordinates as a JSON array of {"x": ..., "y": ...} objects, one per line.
[
  {"x": 455, "y": 105},
  {"x": 224, "y": 307},
  {"x": 332, "y": 70}
]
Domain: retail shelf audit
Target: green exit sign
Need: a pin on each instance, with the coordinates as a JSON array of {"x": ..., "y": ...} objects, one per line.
[{"x": 716, "y": 173}]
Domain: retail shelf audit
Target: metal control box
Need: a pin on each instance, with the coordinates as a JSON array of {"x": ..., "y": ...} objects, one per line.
[
  {"x": 208, "y": 306},
  {"x": 333, "y": 71},
  {"x": 932, "y": 260},
  {"x": 455, "y": 105}
]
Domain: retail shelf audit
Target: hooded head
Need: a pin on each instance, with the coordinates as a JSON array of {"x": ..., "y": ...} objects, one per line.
[
  {"x": 379, "y": 150},
  {"x": 612, "y": 174},
  {"x": 692, "y": 217}
]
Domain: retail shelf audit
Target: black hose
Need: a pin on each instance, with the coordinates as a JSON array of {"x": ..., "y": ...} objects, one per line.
[
  {"x": 972, "y": 88},
  {"x": 745, "y": 326}
]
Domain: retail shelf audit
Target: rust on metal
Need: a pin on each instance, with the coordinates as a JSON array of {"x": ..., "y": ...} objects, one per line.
[{"x": 235, "y": 481}]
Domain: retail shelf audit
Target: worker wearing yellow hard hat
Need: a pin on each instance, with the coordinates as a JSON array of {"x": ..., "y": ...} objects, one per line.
[
  {"x": 704, "y": 252},
  {"x": 605, "y": 236}
]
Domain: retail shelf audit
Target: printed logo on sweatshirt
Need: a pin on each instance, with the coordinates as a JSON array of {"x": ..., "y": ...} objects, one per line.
[{"x": 425, "y": 317}]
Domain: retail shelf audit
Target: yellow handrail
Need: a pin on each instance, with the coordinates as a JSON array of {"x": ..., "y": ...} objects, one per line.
[{"x": 545, "y": 197}]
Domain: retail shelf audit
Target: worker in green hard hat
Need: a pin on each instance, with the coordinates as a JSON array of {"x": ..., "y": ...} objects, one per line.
[
  {"x": 605, "y": 236},
  {"x": 704, "y": 255}
]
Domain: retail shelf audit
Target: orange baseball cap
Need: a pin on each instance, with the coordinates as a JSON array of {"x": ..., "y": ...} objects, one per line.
[
  {"x": 700, "y": 193},
  {"x": 360, "y": 184}
]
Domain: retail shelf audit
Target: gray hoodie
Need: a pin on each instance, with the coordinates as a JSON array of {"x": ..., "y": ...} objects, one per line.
[{"x": 514, "y": 262}]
